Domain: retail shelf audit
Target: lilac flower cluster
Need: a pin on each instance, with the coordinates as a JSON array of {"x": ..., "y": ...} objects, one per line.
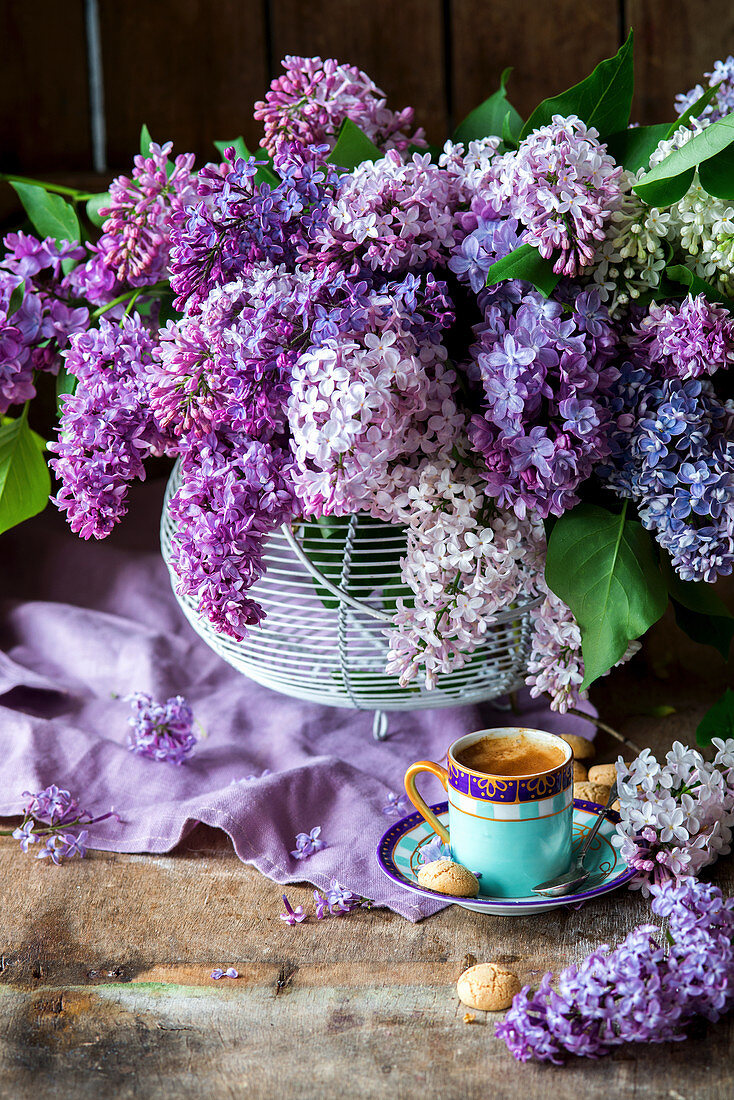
[
  {"x": 48, "y": 819},
  {"x": 309, "y": 103},
  {"x": 672, "y": 451},
  {"x": 135, "y": 240},
  {"x": 676, "y": 817},
  {"x": 639, "y": 992},
  {"x": 161, "y": 731},
  {"x": 563, "y": 186},
  {"x": 107, "y": 428},
  {"x": 686, "y": 339},
  {"x": 33, "y": 333},
  {"x": 543, "y": 370}
]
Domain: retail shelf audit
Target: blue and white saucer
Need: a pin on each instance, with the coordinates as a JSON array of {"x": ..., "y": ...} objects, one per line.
[{"x": 399, "y": 850}]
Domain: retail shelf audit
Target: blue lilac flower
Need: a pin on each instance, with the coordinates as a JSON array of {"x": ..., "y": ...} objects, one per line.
[
  {"x": 396, "y": 805},
  {"x": 672, "y": 452},
  {"x": 161, "y": 731},
  {"x": 435, "y": 849}
]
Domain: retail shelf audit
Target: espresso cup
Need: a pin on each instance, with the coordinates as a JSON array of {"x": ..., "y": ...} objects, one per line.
[{"x": 513, "y": 830}]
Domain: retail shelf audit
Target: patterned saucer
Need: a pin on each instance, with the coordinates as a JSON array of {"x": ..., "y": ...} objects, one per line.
[{"x": 400, "y": 846}]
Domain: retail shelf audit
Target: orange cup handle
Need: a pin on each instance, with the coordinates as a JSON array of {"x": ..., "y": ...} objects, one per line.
[{"x": 418, "y": 802}]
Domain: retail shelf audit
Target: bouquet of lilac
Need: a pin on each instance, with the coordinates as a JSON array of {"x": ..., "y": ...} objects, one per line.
[{"x": 516, "y": 346}]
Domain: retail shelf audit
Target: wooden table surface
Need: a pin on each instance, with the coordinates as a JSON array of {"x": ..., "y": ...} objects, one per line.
[{"x": 105, "y": 987}]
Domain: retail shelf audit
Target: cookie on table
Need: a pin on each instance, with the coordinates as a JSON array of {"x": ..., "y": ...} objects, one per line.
[
  {"x": 487, "y": 986},
  {"x": 605, "y": 774},
  {"x": 579, "y": 772}
]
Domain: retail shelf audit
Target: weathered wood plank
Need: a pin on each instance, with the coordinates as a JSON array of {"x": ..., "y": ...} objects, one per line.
[
  {"x": 551, "y": 46},
  {"x": 190, "y": 70},
  {"x": 44, "y": 102},
  {"x": 676, "y": 41},
  {"x": 400, "y": 45}
]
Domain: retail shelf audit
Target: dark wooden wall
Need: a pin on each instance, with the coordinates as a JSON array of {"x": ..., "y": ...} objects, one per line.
[{"x": 192, "y": 69}]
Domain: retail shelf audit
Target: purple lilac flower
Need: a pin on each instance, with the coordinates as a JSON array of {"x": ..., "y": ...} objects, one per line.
[
  {"x": 218, "y": 973},
  {"x": 341, "y": 900},
  {"x": 25, "y": 835},
  {"x": 638, "y": 992},
  {"x": 32, "y": 335},
  {"x": 322, "y": 906},
  {"x": 53, "y": 805},
  {"x": 308, "y": 843},
  {"x": 563, "y": 186},
  {"x": 311, "y": 100},
  {"x": 234, "y": 492},
  {"x": 135, "y": 241},
  {"x": 543, "y": 427},
  {"x": 106, "y": 427},
  {"x": 435, "y": 849},
  {"x": 292, "y": 916},
  {"x": 161, "y": 731},
  {"x": 686, "y": 339},
  {"x": 396, "y": 805},
  {"x": 236, "y": 224},
  {"x": 47, "y": 816}
]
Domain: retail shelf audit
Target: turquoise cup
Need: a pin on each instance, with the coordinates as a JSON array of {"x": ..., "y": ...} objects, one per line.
[{"x": 514, "y": 831}]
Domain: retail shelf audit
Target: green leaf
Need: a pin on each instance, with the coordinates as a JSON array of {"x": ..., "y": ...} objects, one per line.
[
  {"x": 603, "y": 566},
  {"x": 65, "y": 383},
  {"x": 699, "y": 612},
  {"x": 16, "y": 298},
  {"x": 716, "y": 175},
  {"x": 491, "y": 118},
  {"x": 509, "y": 139},
  {"x": 94, "y": 205},
  {"x": 51, "y": 215},
  {"x": 603, "y": 99},
  {"x": 680, "y": 274},
  {"x": 633, "y": 148},
  {"x": 145, "y": 140},
  {"x": 668, "y": 181},
  {"x": 25, "y": 483},
  {"x": 525, "y": 263},
  {"x": 353, "y": 147},
  {"x": 693, "y": 111},
  {"x": 718, "y": 721}
]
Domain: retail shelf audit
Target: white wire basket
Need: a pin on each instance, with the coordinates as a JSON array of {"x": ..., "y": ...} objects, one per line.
[{"x": 328, "y": 593}]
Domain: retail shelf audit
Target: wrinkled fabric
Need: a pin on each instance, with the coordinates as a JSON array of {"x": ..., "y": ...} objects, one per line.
[{"x": 84, "y": 624}]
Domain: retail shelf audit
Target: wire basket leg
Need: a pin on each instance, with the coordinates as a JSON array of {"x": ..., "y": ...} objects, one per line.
[{"x": 380, "y": 723}]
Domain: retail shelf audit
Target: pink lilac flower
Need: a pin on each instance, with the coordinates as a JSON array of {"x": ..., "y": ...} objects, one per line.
[
  {"x": 106, "y": 428},
  {"x": 161, "y": 731},
  {"x": 292, "y": 916},
  {"x": 308, "y": 843},
  {"x": 639, "y": 991},
  {"x": 387, "y": 215},
  {"x": 135, "y": 241},
  {"x": 686, "y": 339},
  {"x": 563, "y": 186},
  {"x": 311, "y": 100},
  {"x": 218, "y": 973}
]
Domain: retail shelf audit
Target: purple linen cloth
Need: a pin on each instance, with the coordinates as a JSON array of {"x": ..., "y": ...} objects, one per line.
[{"x": 83, "y": 624}]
